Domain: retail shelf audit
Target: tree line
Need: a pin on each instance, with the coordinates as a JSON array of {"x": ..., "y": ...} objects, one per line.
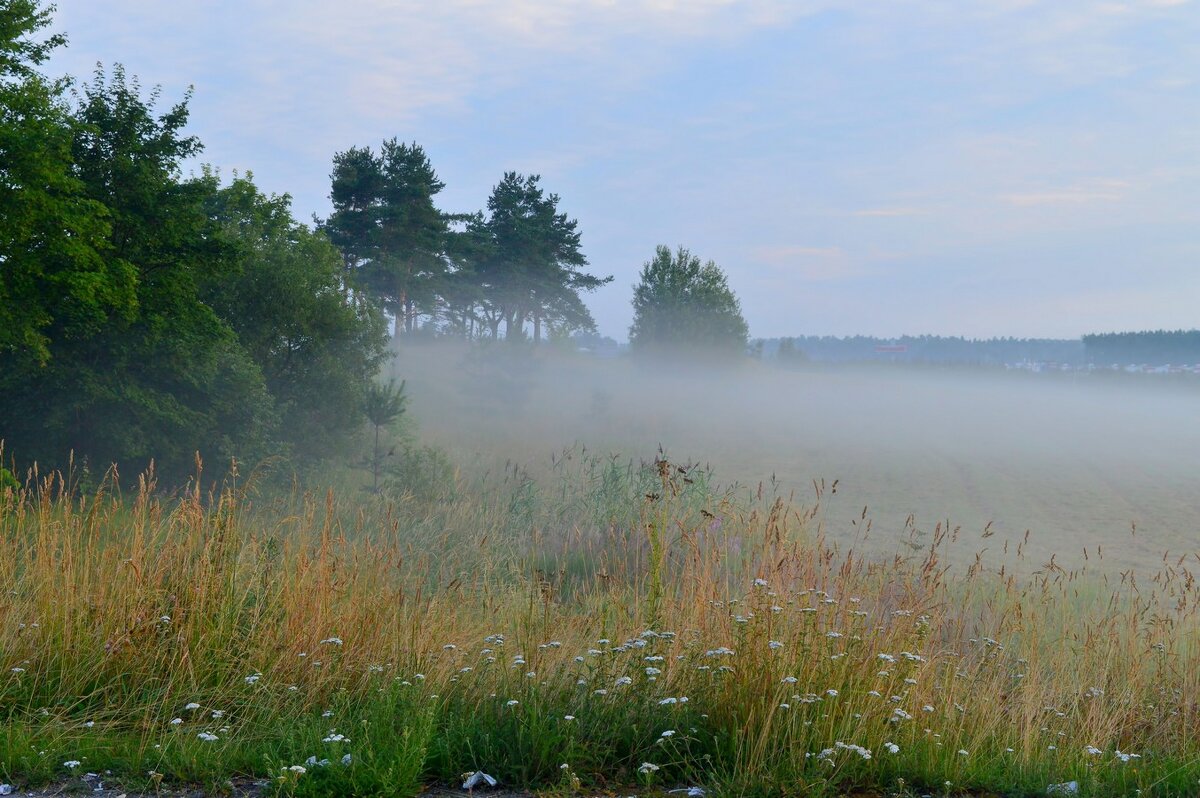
[
  {"x": 514, "y": 271},
  {"x": 1160, "y": 347},
  {"x": 145, "y": 314},
  {"x": 923, "y": 349}
]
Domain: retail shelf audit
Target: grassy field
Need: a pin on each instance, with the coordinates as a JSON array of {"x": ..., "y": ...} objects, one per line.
[
  {"x": 1081, "y": 463},
  {"x": 596, "y": 625}
]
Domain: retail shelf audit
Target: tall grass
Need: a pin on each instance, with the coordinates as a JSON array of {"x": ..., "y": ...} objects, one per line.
[{"x": 603, "y": 624}]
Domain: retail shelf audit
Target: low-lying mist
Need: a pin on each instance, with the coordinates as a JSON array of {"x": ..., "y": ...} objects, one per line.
[{"x": 1081, "y": 462}]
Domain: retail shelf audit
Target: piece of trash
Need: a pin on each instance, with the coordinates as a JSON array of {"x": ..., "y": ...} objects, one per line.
[
  {"x": 478, "y": 779},
  {"x": 691, "y": 792},
  {"x": 1066, "y": 788},
  {"x": 6, "y": 789}
]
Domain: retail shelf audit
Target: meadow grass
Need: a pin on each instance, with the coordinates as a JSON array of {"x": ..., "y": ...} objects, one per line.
[{"x": 605, "y": 625}]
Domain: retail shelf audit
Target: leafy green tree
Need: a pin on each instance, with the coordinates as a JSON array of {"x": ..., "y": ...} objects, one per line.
[
  {"x": 167, "y": 377},
  {"x": 680, "y": 304},
  {"x": 54, "y": 279},
  {"x": 529, "y": 263},
  {"x": 388, "y": 226},
  {"x": 316, "y": 348}
]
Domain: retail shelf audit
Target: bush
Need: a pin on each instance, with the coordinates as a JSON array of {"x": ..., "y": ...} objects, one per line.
[{"x": 425, "y": 473}]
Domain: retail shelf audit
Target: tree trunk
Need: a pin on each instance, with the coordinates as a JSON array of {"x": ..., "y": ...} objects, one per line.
[
  {"x": 375, "y": 464},
  {"x": 537, "y": 327}
]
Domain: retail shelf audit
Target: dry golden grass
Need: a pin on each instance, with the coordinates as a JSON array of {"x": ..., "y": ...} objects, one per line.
[{"x": 520, "y": 625}]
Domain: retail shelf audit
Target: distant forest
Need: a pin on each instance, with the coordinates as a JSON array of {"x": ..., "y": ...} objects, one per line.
[
  {"x": 1179, "y": 347},
  {"x": 1108, "y": 349}
]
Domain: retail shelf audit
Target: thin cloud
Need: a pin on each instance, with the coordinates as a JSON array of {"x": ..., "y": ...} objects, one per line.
[
  {"x": 1102, "y": 191},
  {"x": 809, "y": 263},
  {"x": 889, "y": 212}
]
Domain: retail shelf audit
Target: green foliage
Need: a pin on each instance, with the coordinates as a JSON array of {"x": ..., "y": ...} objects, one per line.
[
  {"x": 424, "y": 473},
  {"x": 145, "y": 316},
  {"x": 55, "y": 282},
  {"x": 20, "y": 52},
  {"x": 519, "y": 265},
  {"x": 382, "y": 405},
  {"x": 314, "y": 344},
  {"x": 166, "y": 378},
  {"x": 682, "y": 305},
  {"x": 1152, "y": 348},
  {"x": 388, "y": 227},
  {"x": 528, "y": 261}
]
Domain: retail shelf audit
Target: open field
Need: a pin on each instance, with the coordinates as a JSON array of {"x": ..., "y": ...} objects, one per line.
[
  {"x": 1078, "y": 461},
  {"x": 592, "y": 625},
  {"x": 569, "y": 615}
]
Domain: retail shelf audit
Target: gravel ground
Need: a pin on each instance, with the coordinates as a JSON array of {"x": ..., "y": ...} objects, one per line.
[{"x": 95, "y": 786}]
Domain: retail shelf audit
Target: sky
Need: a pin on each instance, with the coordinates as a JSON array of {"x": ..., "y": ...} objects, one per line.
[{"x": 956, "y": 167}]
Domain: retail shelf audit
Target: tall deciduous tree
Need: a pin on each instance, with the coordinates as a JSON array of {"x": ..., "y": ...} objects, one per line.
[
  {"x": 55, "y": 281},
  {"x": 166, "y": 378},
  {"x": 318, "y": 350},
  {"x": 680, "y": 304}
]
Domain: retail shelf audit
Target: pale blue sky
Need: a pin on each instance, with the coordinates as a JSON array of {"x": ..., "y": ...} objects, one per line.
[{"x": 965, "y": 167}]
